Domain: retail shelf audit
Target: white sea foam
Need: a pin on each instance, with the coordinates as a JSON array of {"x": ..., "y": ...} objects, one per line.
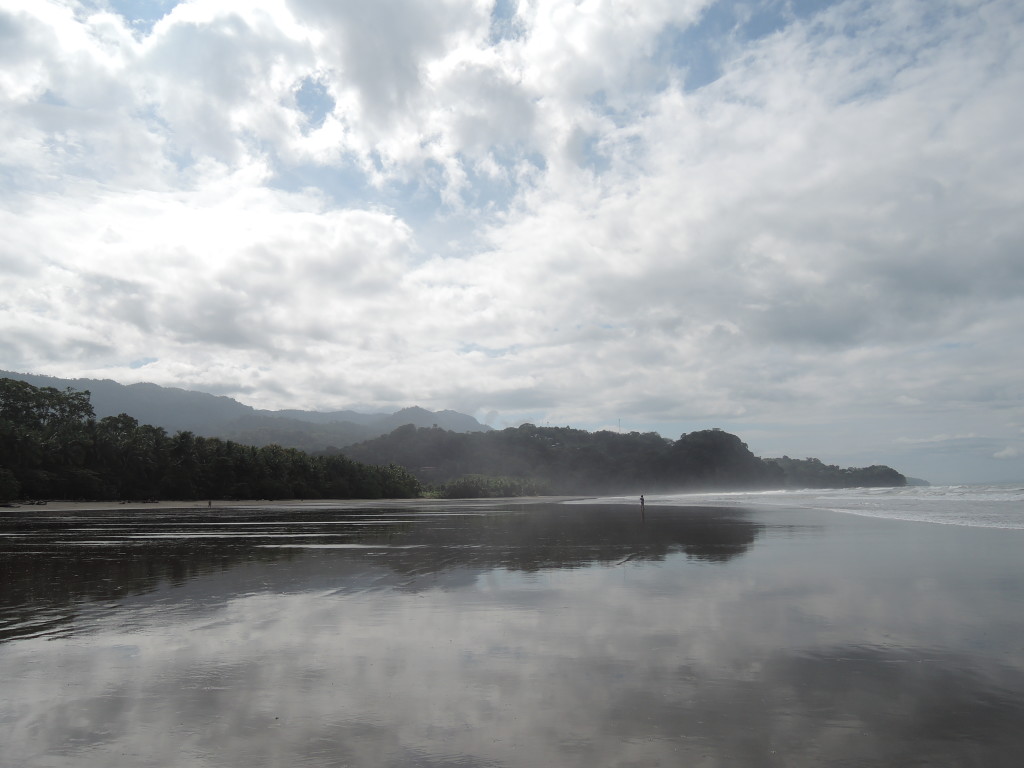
[{"x": 985, "y": 506}]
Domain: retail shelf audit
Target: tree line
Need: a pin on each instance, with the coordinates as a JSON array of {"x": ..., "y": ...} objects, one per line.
[
  {"x": 53, "y": 447},
  {"x": 566, "y": 460}
]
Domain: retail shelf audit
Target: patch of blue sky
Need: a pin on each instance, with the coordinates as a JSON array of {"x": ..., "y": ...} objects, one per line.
[
  {"x": 142, "y": 362},
  {"x": 416, "y": 202},
  {"x": 537, "y": 160},
  {"x": 183, "y": 158},
  {"x": 755, "y": 21},
  {"x": 449, "y": 230},
  {"x": 489, "y": 192},
  {"x": 15, "y": 180},
  {"x": 619, "y": 116},
  {"x": 764, "y": 19},
  {"x": 347, "y": 185},
  {"x": 504, "y": 24},
  {"x": 597, "y": 155},
  {"x": 805, "y": 9},
  {"x": 700, "y": 51},
  {"x": 314, "y": 101},
  {"x": 439, "y": 226},
  {"x": 866, "y": 91},
  {"x": 52, "y": 99},
  {"x": 142, "y": 15},
  {"x": 591, "y": 155},
  {"x": 344, "y": 185},
  {"x": 697, "y": 50},
  {"x": 900, "y": 53}
]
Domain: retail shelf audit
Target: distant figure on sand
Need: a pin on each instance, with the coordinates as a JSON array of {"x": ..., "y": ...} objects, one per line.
[{"x": 641, "y": 501}]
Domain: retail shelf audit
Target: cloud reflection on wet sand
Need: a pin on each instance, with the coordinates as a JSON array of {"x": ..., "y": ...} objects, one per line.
[{"x": 822, "y": 641}]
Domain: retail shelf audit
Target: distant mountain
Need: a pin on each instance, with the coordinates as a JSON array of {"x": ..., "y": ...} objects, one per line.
[
  {"x": 217, "y": 416},
  {"x": 563, "y": 460}
]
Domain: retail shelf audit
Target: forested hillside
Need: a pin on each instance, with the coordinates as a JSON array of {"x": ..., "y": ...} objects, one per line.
[
  {"x": 53, "y": 447},
  {"x": 565, "y": 460},
  {"x": 208, "y": 415}
]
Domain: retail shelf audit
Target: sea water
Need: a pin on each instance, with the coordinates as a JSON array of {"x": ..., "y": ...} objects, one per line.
[{"x": 982, "y": 506}]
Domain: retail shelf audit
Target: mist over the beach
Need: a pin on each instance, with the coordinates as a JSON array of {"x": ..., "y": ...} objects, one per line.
[{"x": 796, "y": 221}]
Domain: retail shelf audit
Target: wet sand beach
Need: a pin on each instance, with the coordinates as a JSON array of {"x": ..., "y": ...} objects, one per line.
[
  {"x": 284, "y": 504},
  {"x": 508, "y": 633}
]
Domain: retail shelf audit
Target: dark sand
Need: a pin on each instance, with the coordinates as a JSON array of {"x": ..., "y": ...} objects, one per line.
[{"x": 517, "y": 633}]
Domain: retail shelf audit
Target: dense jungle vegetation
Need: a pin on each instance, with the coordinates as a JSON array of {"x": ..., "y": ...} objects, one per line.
[
  {"x": 52, "y": 447},
  {"x": 565, "y": 460}
]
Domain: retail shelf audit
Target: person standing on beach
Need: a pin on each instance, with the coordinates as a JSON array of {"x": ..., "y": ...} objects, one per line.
[{"x": 641, "y": 501}]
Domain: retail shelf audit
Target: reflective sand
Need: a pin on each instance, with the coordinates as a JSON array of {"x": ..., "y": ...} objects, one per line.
[{"x": 507, "y": 635}]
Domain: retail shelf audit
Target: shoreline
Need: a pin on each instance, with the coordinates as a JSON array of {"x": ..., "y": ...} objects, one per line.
[{"x": 297, "y": 504}]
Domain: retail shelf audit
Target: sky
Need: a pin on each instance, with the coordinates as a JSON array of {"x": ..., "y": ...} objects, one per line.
[{"x": 795, "y": 220}]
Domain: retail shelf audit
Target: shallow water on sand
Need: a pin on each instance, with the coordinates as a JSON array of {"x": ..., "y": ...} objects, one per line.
[{"x": 488, "y": 634}]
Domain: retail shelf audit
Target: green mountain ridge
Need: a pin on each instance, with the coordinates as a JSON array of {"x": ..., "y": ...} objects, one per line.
[
  {"x": 175, "y": 409},
  {"x": 54, "y": 443}
]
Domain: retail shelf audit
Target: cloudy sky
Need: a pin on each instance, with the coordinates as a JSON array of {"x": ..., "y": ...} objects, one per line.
[{"x": 797, "y": 220}]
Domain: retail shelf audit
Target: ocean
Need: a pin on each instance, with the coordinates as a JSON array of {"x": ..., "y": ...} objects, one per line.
[{"x": 981, "y": 506}]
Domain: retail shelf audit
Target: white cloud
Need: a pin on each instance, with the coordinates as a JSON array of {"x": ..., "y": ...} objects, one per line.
[
  {"x": 538, "y": 218},
  {"x": 936, "y": 439}
]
